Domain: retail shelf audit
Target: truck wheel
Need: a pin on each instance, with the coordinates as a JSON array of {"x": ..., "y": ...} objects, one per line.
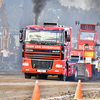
[
  {"x": 94, "y": 74},
  {"x": 97, "y": 74},
  {"x": 27, "y": 76},
  {"x": 62, "y": 77}
]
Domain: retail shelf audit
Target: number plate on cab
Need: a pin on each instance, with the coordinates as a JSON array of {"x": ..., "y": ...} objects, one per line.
[{"x": 43, "y": 71}]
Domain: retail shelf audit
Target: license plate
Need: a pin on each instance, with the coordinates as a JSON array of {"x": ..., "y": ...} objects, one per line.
[{"x": 43, "y": 71}]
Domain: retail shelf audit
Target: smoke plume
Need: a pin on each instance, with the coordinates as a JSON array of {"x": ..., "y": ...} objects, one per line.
[
  {"x": 84, "y": 4},
  {"x": 38, "y": 7}
]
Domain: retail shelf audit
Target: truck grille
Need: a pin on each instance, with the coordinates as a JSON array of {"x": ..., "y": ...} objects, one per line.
[
  {"x": 42, "y": 54},
  {"x": 42, "y": 64}
]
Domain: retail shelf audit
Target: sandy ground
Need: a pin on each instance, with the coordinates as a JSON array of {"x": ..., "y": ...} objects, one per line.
[{"x": 13, "y": 86}]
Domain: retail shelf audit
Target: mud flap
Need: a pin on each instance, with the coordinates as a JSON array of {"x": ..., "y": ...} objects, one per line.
[{"x": 88, "y": 72}]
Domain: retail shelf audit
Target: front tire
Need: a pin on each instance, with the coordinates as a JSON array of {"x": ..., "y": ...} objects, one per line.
[
  {"x": 62, "y": 77},
  {"x": 27, "y": 76}
]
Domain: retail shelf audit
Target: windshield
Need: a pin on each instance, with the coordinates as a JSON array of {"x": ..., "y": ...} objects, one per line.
[
  {"x": 44, "y": 36},
  {"x": 86, "y": 35}
]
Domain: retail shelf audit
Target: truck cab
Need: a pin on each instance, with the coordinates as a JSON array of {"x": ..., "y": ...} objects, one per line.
[
  {"x": 86, "y": 40},
  {"x": 46, "y": 50}
]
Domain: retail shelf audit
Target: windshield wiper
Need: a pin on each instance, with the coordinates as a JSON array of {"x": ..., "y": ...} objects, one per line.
[{"x": 42, "y": 42}]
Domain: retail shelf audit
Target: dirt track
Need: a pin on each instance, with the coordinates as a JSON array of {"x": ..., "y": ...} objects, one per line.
[{"x": 13, "y": 86}]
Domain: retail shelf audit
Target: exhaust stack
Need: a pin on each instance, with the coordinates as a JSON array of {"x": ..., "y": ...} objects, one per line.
[
  {"x": 35, "y": 20},
  {"x": 38, "y": 7}
]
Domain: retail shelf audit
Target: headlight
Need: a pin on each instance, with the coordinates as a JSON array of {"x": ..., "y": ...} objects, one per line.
[
  {"x": 58, "y": 65},
  {"x": 25, "y": 64}
]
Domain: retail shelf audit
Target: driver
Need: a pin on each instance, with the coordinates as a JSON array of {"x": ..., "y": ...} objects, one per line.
[{"x": 89, "y": 37}]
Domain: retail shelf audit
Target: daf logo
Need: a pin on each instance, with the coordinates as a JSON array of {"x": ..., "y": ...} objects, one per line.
[
  {"x": 56, "y": 51},
  {"x": 34, "y": 65}
]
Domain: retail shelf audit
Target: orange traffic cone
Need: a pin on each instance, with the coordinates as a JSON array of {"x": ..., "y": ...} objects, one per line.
[
  {"x": 35, "y": 95},
  {"x": 78, "y": 94}
]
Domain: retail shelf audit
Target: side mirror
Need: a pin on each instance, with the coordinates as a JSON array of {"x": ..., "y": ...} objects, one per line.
[
  {"x": 68, "y": 38},
  {"x": 21, "y": 31},
  {"x": 20, "y": 41},
  {"x": 21, "y": 36}
]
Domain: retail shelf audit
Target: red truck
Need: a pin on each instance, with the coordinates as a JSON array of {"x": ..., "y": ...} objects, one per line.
[
  {"x": 88, "y": 65},
  {"x": 46, "y": 51}
]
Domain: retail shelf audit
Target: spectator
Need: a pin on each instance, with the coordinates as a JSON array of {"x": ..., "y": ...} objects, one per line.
[{"x": 6, "y": 55}]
